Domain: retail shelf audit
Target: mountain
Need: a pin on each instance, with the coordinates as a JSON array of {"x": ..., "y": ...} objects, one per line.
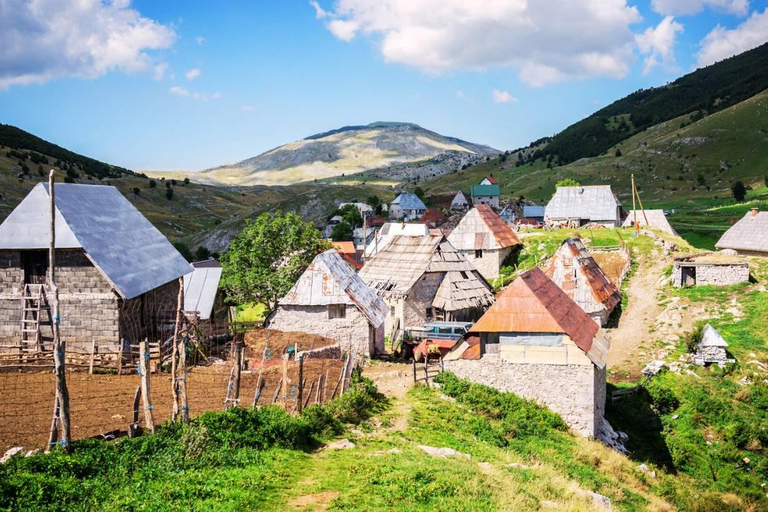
[{"x": 344, "y": 151}]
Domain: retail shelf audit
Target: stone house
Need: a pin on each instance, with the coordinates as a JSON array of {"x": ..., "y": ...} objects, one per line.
[
  {"x": 485, "y": 194},
  {"x": 460, "y": 202},
  {"x": 118, "y": 276},
  {"x": 576, "y": 206},
  {"x": 202, "y": 295},
  {"x": 330, "y": 299},
  {"x": 538, "y": 343},
  {"x": 577, "y": 273},
  {"x": 407, "y": 206},
  {"x": 392, "y": 229},
  {"x": 709, "y": 268},
  {"x": 485, "y": 240},
  {"x": 711, "y": 348},
  {"x": 749, "y": 236},
  {"x": 423, "y": 279}
]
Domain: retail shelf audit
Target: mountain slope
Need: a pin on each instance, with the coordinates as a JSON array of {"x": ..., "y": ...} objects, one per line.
[{"x": 339, "y": 152}]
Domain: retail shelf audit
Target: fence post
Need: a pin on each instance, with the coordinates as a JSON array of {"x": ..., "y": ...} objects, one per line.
[
  {"x": 414, "y": 370},
  {"x": 233, "y": 390},
  {"x": 285, "y": 380},
  {"x": 324, "y": 396},
  {"x": 93, "y": 355},
  {"x": 149, "y": 419},
  {"x": 259, "y": 383},
  {"x": 174, "y": 354},
  {"x": 300, "y": 395}
]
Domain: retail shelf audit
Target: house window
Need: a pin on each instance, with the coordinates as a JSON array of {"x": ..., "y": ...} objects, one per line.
[
  {"x": 430, "y": 313},
  {"x": 478, "y": 253},
  {"x": 337, "y": 311},
  {"x": 392, "y": 310}
]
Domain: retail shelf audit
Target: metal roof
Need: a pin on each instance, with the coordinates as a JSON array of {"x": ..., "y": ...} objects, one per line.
[
  {"x": 534, "y": 303},
  {"x": 711, "y": 338},
  {"x": 392, "y": 229},
  {"x": 131, "y": 253},
  {"x": 481, "y": 228},
  {"x": 484, "y": 190},
  {"x": 594, "y": 203},
  {"x": 533, "y": 211},
  {"x": 656, "y": 219},
  {"x": 329, "y": 280},
  {"x": 749, "y": 234},
  {"x": 201, "y": 286},
  {"x": 459, "y": 199},
  {"x": 409, "y": 201}
]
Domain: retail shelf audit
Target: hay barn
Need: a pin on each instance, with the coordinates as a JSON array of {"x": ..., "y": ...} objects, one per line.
[
  {"x": 749, "y": 236},
  {"x": 576, "y": 206}
]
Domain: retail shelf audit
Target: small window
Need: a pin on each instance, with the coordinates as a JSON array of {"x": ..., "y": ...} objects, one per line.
[
  {"x": 478, "y": 253},
  {"x": 337, "y": 311},
  {"x": 446, "y": 330},
  {"x": 430, "y": 313},
  {"x": 392, "y": 310}
]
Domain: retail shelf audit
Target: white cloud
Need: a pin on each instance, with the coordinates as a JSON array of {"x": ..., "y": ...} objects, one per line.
[
  {"x": 185, "y": 93},
  {"x": 679, "y": 7},
  {"x": 722, "y": 43},
  {"x": 547, "y": 41},
  {"x": 46, "y": 39},
  {"x": 193, "y": 73},
  {"x": 200, "y": 40},
  {"x": 158, "y": 72},
  {"x": 659, "y": 44},
  {"x": 503, "y": 97},
  {"x": 247, "y": 108},
  {"x": 319, "y": 11}
]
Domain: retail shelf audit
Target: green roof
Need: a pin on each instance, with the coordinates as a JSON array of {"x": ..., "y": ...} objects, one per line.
[{"x": 485, "y": 190}]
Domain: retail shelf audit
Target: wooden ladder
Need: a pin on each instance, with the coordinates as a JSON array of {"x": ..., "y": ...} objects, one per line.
[{"x": 33, "y": 303}]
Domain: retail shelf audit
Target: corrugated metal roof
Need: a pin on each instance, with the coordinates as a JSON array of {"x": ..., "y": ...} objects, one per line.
[
  {"x": 201, "y": 286},
  {"x": 656, "y": 219},
  {"x": 329, "y": 280},
  {"x": 131, "y": 253},
  {"x": 484, "y": 190},
  {"x": 749, "y": 234},
  {"x": 409, "y": 201},
  {"x": 594, "y": 203},
  {"x": 533, "y": 211},
  {"x": 534, "y": 303},
  {"x": 481, "y": 228}
]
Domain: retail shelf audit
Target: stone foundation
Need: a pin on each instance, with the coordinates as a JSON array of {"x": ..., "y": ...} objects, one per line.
[{"x": 717, "y": 274}]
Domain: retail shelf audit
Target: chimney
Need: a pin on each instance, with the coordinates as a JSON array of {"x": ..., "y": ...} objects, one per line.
[{"x": 754, "y": 212}]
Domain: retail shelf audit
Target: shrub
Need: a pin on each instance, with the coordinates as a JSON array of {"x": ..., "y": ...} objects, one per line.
[
  {"x": 662, "y": 397},
  {"x": 693, "y": 338}
]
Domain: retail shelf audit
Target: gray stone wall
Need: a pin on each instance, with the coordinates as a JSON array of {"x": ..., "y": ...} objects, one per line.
[
  {"x": 420, "y": 298},
  {"x": 575, "y": 392},
  {"x": 489, "y": 264},
  {"x": 717, "y": 274}
]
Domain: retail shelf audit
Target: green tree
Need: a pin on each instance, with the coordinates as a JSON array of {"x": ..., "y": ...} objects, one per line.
[
  {"x": 341, "y": 232},
  {"x": 169, "y": 193},
  {"x": 152, "y": 183},
  {"x": 351, "y": 215},
  {"x": 268, "y": 257},
  {"x": 739, "y": 191},
  {"x": 567, "y": 182},
  {"x": 184, "y": 250},
  {"x": 136, "y": 190},
  {"x": 419, "y": 193},
  {"x": 765, "y": 181},
  {"x": 186, "y": 181},
  {"x": 618, "y": 152},
  {"x": 202, "y": 253}
]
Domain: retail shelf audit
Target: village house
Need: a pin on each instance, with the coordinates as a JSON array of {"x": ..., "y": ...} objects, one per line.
[
  {"x": 508, "y": 214},
  {"x": 709, "y": 268},
  {"x": 485, "y": 240},
  {"x": 485, "y": 194},
  {"x": 749, "y": 236},
  {"x": 433, "y": 218},
  {"x": 576, "y": 272},
  {"x": 332, "y": 223},
  {"x": 460, "y": 202},
  {"x": 406, "y": 206},
  {"x": 489, "y": 180},
  {"x": 533, "y": 212},
  {"x": 577, "y": 206},
  {"x": 711, "y": 348},
  {"x": 424, "y": 279},
  {"x": 117, "y": 275},
  {"x": 202, "y": 296},
  {"x": 330, "y": 299},
  {"x": 538, "y": 343},
  {"x": 364, "y": 208},
  {"x": 392, "y": 229},
  {"x": 655, "y": 219}
]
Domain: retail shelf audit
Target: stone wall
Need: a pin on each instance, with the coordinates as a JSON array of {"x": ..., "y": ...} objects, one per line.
[
  {"x": 717, "y": 274},
  {"x": 489, "y": 264},
  {"x": 420, "y": 298},
  {"x": 329, "y": 352},
  {"x": 575, "y": 392}
]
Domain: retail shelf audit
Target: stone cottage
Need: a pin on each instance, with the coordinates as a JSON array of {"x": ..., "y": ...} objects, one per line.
[
  {"x": 574, "y": 270},
  {"x": 485, "y": 240},
  {"x": 407, "y": 206},
  {"x": 538, "y": 343},
  {"x": 424, "y": 279},
  {"x": 329, "y": 299},
  {"x": 576, "y": 206},
  {"x": 749, "y": 236},
  {"x": 712, "y": 348},
  {"x": 118, "y": 276},
  {"x": 709, "y": 268},
  {"x": 202, "y": 295}
]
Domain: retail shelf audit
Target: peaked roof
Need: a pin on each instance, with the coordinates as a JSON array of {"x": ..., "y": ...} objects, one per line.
[
  {"x": 201, "y": 286},
  {"x": 482, "y": 228},
  {"x": 656, "y": 219},
  {"x": 491, "y": 180},
  {"x": 599, "y": 286},
  {"x": 749, "y": 234},
  {"x": 533, "y": 210},
  {"x": 409, "y": 201},
  {"x": 484, "y": 190},
  {"x": 433, "y": 218},
  {"x": 129, "y": 251},
  {"x": 534, "y": 303},
  {"x": 329, "y": 280},
  {"x": 711, "y": 338},
  {"x": 594, "y": 202},
  {"x": 460, "y": 198}
]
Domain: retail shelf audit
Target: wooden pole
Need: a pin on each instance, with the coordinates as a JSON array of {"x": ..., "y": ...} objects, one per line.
[
  {"x": 182, "y": 379},
  {"x": 300, "y": 395},
  {"x": 93, "y": 355},
  {"x": 175, "y": 354},
  {"x": 319, "y": 388},
  {"x": 120, "y": 357},
  {"x": 149, "y": 419},
  {"x": 277, "y": 390},
  {"x": 640, "y": 202},
  {"x": 414, "y": 370},
  {"x": 324, "y": 396},
  {"x": 259, "y": 385},
  {"x": 61, "y": 401},
  {"x": 309, "y": 393},
  {"x": 285, "y": 380},
  {"x": 233, "y": 390},
  {"x": 634, "y": 208}
]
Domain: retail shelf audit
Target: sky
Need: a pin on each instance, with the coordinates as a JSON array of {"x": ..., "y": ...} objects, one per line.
[{"x": 193, "y": 84}]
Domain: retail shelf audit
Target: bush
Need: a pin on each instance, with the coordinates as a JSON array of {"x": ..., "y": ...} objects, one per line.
[
  {"x": 662, "y": 397},
  {"x": 693, "y": 338}
]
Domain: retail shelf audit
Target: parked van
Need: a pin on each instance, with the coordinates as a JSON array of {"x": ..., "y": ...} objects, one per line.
[{"x": 445, "y": 330}]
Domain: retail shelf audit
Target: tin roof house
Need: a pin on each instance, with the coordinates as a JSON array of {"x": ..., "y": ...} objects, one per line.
[
  {"x": 485, "y": 239},
  {"x": 485, "y": 193},
  {"x": 407, "y": 206},
  {"x": 576, "y": 206},
  {"x": 202, "y": 295},
  {"x": 536, "y": 342},
  {"x": 118, "y": 276},
  {"x": 574, "y": 270},
  {"x": 460, "y": 201},
  {"x": 749, "y": 236},
  {"x": 425, "y": 278},
  {"x": 649, "y": 218},
  {"x": 331, "y": 300},
  {"x": 392, "y": 229}
]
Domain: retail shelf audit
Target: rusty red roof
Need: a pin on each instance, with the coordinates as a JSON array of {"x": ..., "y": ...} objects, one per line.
[
  {"x": 376, "y": 221},
  {"x": 433, "y": 218},
  {"x": 504, "y": 235},
  {"x": 344, "y": 247},
  {"x": 493, "y": 180}
]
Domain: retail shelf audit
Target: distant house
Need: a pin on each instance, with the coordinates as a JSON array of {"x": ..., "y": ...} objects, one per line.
[
  {"x": 655, "y": 219},
  {"x": 485, "y": 240},
  {"x": 709, "y": 268},
  {"x": 350, "y": 254},
  {"x": 538, "y": 343},
  {"x": 433, "y": 218},
  {"x": 508, "y": 214},
  {"x": 376, "y": 221},
  {"x": 485, "y": 194},
  {"x": 392, "y": 229},
  {"x": 749, "y": 236},
  {"x": 329, "y": 299},
  {"x": 118, "y": 276},
  {"x": 202, "y": 295},
  {"x": 534, "y": 212},
  {"x": 460, "y": 202},
  {"x": 489, "y": 180},
  {"x": 407, "y": 206},
  {"x": 364, "y": 209},
  {"x": 423, "y": 279},
  {"x": 576, "y": 206},
  {"x": 332, "y": 223},
  {"x": 574, "y": 270}
]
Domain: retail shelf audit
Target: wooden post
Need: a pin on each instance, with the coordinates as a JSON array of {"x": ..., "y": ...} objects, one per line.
[
  {"x": 93, "y": 355},
  {"x": 319, "y": 388},
  {"x": 277, "y": 390},
  {"x": 61, "y": 400},
  {"x": 285, "y": 380},
  {"x": 256, "y": 396},
  {"x": 120, "y": 357},
  {"x": 175, "y": 350},
  {"x": 149, "y": 419},
  {"x": 233, "y": 390},
  {"x": 324, "y": 396},
  {"x": 259, "y": 384},
  {"x": 414, "y": 370},
  {"x": 344, "y": 375},
  {"x": 300, "y": 395},
  {"x": 136, "y": 404},
  {"x": 426, "y": 371}
]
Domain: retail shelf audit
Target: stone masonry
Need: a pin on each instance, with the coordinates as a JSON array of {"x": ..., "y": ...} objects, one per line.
[{"x": 721, "y": 274}]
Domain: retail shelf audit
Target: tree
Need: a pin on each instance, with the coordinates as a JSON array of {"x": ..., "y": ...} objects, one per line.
[
  {"x": 701, "y": 180},
  {"x": 739, "y": 191},
  {"x": 167, "y": 184},
  {"x": 169, "y": 193},
  {"x": 186, "y": 181},
  {"x": 341, "y": 232},
  {"x": 419, "y": 193},
  {"x": 136, "y": 190},
  {"x": 351, "y": 215},
  {"x": 567, "y": 182},
  {"x": 268, "y": 257},
  {"x": 184, "y": 250},
  {"x": 152, "y": 183},
  {"x": 618, "y": 152},
  {"x": 202, "y": 253}
]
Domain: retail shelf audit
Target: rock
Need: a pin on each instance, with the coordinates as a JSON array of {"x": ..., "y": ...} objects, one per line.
[
  {"x": 644, "y": 468},
  {"x": 611, "y": 438},
  {"x": 517, "y": 465},
  {"x": 443, "y": 452},
  {"x": 341, "y": 444},
  {"x": 485, "y": 466},
  {"x": 30, "y": 453},
  {"x": 653, "y": 367},
  {"x": 12, "y": 452},
  {"x": 601, "y": 502}
]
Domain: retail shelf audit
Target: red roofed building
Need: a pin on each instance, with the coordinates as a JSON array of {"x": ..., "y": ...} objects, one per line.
[
  {"x": 433, "y": 218},
  {"x": 489, "y": 180},
  {"x": 349, "y": 253},
  {"x": 535, "y": 341}
]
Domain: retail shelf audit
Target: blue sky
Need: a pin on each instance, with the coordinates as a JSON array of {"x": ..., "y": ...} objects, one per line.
[{"x": 116, "y": 80}]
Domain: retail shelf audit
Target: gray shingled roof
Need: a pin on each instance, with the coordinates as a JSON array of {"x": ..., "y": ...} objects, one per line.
[
  {"x": 131, "y": 253},
  {"x": 594, "y": 203},
  {"x": 408, "y": 201},
  {"x": 749, "y": 234}
]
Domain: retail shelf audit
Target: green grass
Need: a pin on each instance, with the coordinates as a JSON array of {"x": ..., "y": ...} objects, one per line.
[{"x": 251, "y": 313}]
